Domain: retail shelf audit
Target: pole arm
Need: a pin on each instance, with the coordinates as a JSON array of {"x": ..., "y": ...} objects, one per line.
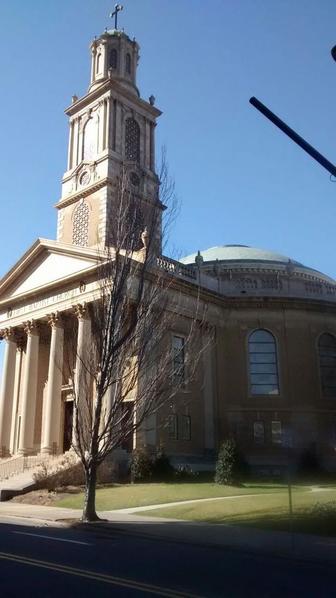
[{"x": 294, "y": 136}]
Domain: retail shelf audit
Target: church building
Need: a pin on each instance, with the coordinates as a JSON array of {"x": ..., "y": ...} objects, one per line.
[{"x": 268, "y": 379}]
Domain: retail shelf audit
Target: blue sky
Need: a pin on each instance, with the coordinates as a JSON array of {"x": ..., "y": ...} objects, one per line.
[{"x": 238, "y": 178}]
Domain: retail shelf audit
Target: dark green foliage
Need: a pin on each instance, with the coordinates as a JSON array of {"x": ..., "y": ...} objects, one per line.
[
  {"x": 154, "y": 468},
  {"x": 309, "y": 465},
  {"x": 141, "y": 466},
  {"x": 230, "y": 466},
  {"x": 162, "y": 470}
]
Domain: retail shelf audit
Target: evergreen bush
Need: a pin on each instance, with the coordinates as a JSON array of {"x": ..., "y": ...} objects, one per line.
[{"x": 230, "y": 466}]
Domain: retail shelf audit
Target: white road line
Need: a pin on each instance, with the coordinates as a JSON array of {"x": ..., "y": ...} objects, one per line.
[{"x": 52, "y": 538}]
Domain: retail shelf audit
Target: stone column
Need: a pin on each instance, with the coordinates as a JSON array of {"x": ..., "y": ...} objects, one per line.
[
  {"x": 152, "y": 147},
  {"x": 70, "y": 148},
  {"x": 18, "y": 368},
  {"x": 7, "y": 391},
  {"x": 26, "y": 442},
  {"x": 107, "y": 143},
  {"x": 81, "y": 378},
  {"x": 53, "y": 398}
]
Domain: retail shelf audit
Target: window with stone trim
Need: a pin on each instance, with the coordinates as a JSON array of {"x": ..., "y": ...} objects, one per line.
[
  {"x": 178, "y": 350},
  {"x": 80, "y": 230},
  {"x": 276, "y": 432},
  {"x": 259, "y": 432},
  {"x": 98, "y": 63},
  {"x": 128, "y": 64},
  {"x": 113, "y": 62},
  {"x": 132, "y": 140},
  {"x": 172, "y": 426},
  {"x": 263, "y": 363},
  {"x": 185, "y": 427},
  {"x": 327, "y": 359}
]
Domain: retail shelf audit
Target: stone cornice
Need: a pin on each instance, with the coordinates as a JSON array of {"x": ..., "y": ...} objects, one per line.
[
  {"x": 87, "y": 191},
  {"x": 67, "y": 201},
  {"x": 43, "y": 289},
  {"x": 108, "y": 85}
]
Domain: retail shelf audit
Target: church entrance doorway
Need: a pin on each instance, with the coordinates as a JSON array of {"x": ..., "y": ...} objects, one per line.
[{"x": 68, "y": 424}]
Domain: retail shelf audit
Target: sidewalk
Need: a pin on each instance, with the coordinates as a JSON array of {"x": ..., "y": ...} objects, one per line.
[{"x": 297, "y": 546}]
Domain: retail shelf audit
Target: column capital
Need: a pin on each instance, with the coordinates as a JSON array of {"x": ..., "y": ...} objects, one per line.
[
  {"x": 54, "y": 320},
  {"x": 30, "y": 328},
  {"x": 81, "y": 310},
  {"x": 7, "y": 334}
]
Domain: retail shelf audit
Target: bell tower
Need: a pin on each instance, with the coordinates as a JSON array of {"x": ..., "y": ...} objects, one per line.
[{"x": 111, "y": 132}]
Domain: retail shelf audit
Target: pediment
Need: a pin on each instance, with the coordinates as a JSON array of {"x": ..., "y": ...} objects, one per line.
[{"x": 46, "y": 263}]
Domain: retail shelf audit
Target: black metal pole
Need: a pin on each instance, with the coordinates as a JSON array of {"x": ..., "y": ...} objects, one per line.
[{"x": 294, "y": 136}]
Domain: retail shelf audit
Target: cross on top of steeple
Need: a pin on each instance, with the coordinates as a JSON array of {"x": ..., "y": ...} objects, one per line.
[{"x": 117, "y": 8}]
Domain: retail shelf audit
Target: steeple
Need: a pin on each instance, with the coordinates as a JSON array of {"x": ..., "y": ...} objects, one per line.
[{"x": 111, "y": 131}]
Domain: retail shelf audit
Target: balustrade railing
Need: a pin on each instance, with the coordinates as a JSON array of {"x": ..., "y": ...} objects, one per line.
[
  {"x": 16, "y": 465},
  {"x": 169, "y": 265}
]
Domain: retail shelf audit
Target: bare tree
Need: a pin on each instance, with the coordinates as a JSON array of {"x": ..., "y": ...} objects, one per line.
[{"x": 125, "y": 371}]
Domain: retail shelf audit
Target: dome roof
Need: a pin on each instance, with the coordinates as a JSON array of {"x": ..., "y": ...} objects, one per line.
[
  {"x": 245, "y": 255},
  {"x": 237, "y": 253}
]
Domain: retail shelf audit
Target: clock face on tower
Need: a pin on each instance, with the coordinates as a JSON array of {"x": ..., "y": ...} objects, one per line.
[{"x": 84, "y": 178}]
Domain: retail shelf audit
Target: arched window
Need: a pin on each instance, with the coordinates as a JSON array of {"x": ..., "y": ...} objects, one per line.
[
  {"x": 98, "y": 63},
  {"x": 327, "y": 355},
  {"x": 263, "y": 363},
  {"x": 80, "y": 230},
  {"x": 113, "y": 58},
  {"x": 132, "y": 140},
  {"x": 128, "y": 64},
  {"x": 90, "y": 141}
]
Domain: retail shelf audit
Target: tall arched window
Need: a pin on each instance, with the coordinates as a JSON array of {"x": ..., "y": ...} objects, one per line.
[
  {"x": 113, "y": 58},
  {"x": 128, "y": 64},
  {"x": 263, "y": 363},
  {"x": 132, "y": 140},
  {"x": 90, "y": 141},
  {"x": 327, "y": 355},
  {"x": 80, "y": 230},
  {"x": 98, "y": 63}
]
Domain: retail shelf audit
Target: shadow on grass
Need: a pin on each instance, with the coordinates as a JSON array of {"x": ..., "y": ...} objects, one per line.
[{"x": 304, "y": 522}]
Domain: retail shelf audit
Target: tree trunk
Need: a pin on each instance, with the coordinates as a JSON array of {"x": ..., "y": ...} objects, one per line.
[{"x": 89, "y": 509}]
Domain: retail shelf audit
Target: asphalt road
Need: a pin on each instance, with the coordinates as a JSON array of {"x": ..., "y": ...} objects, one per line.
[{"x": 48, "y": 562}]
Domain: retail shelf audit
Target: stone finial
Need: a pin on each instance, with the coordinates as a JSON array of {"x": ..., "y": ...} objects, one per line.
[
  {"x": 199, "y": 259},
  {"x": 74, "y": 98},
  {"x": 290, "y": 267},
  {"x": 145, "y": 237},
  {"x": 151, "y": 100}
]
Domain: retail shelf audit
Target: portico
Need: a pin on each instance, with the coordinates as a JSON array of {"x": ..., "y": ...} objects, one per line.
[{"x": 38, "y": 350}]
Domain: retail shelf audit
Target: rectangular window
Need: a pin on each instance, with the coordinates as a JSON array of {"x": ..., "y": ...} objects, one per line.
[
  {"x": 259, "y": 432},
  {"x": 276, "y": 432},
  {"x": 178, "y": 359},
  {"x": 185, "y": 427},
  {"x": 172, "y": 426}
]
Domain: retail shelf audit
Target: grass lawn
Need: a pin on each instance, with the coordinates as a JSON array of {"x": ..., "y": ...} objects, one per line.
[
  {"x": 264, "y": 511},
  {"x": 138, "y": 495}
]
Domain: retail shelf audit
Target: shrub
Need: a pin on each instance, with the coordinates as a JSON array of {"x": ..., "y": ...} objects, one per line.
[
  {"x": 67, "y": 470},
  {"x": 141, "y": 466},
  {"x": 64, "y": 471},
  {"x": 309, "y": 464},
  {"x": 230, "y": 466},
  {"x": 162, "y": 469},
  {"x": 184, "y": 473}
]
